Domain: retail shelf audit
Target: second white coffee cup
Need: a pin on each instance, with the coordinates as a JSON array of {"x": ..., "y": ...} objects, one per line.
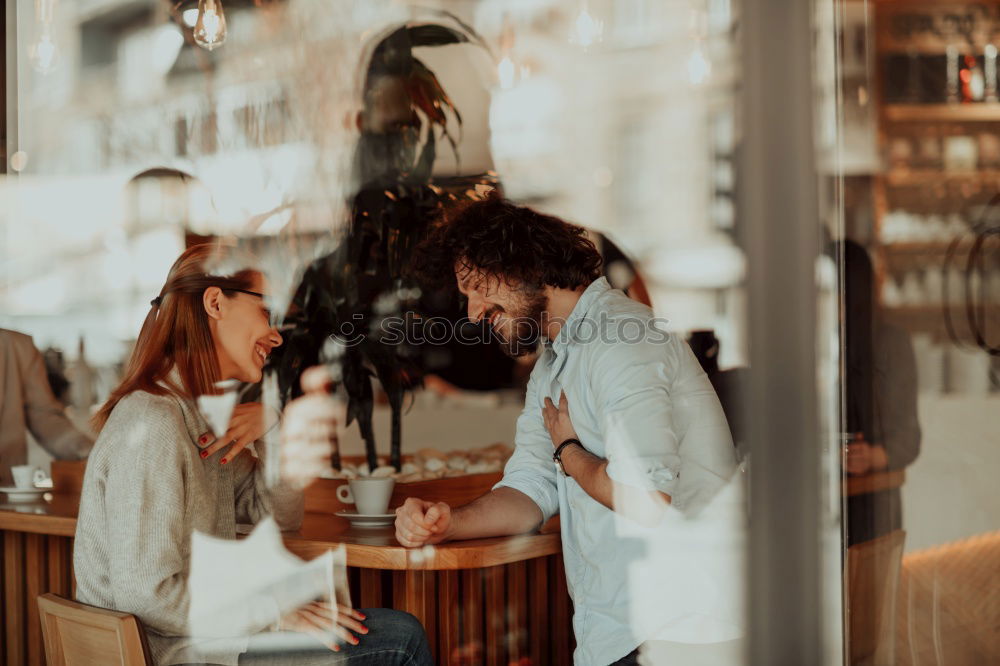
[
  {"x": 27, "y": 476},
  {"x": 370, "y": 496}
]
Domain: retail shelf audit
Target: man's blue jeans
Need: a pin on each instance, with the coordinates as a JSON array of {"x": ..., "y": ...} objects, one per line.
[{"x": 394, "y": 638}]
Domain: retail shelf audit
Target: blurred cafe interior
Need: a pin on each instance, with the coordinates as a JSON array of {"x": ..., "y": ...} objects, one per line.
[{"x": 215, "y": 215}]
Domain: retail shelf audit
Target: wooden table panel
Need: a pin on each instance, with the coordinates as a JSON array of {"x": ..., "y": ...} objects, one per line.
[
  {"x": 562, "y": 614},
  {"x": 413, "y": 592},
  {"x": 494, "y": 610},
  {"x": 449, "y": 608},
  {"x": 539, "y": 617},
  {"x": 371, "y": 589},
  {"x": 35, "y": 582},
  {"x": 13, "y": 578},
  {"x": 426, "y": 582},
  {"x": 517, "y": 616},
  {"x": 472, "y": 616},
  {"x": 58, "y": 554}
]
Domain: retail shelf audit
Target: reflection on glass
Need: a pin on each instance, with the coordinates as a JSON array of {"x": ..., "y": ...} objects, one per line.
[
  {"x": 210, "y": 28},
  {"x": 44, "y": 52},
  {"x": 332, "y": 129},
  {"x": 920, "y": 527}
]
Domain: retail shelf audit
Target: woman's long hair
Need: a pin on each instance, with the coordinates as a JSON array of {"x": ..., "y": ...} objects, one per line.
[{"x": 176, "y": 333}]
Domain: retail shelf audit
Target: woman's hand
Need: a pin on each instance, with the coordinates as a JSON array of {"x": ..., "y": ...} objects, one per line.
[
  {"x": 557, "y": 420},
  {"x": 247, "y": 424},
  {"x": 320, "y": 620},
  {"x": 309, "y": 430}
]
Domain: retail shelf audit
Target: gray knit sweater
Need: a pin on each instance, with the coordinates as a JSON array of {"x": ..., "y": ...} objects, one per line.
[{"x": 146, "y": 488}]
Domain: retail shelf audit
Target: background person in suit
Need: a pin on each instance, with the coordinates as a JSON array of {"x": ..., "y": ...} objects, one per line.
[{"x": 28, "y": 404}]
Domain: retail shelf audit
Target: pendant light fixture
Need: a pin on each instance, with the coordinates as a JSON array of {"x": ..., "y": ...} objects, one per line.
[{"x": 210, "y": 28}]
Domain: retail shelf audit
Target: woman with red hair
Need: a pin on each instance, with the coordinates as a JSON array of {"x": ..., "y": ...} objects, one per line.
[{"x": 151, "y": 480}]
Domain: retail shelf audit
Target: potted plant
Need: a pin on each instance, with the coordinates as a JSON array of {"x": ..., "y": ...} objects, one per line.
[{"x": 340, "y": 310}]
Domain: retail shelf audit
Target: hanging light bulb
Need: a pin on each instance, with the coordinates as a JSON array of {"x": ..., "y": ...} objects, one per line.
[
  {"x": 210, "y": 29},
  {"x": 44, "y": 53},
  {"x": 587, "y": 30},
  {"x": 506, "y": 73},
  {"x": 699, "y": 68}
]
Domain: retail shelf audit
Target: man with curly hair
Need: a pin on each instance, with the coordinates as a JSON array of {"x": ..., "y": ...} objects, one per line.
[{"x": 621, "y": 435}]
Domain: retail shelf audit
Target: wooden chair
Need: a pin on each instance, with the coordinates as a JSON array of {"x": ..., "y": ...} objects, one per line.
[
  {"x": 76, "y": 634},
  {"x": 949, "y": 604},
  {"x": 872, "y": 583}
]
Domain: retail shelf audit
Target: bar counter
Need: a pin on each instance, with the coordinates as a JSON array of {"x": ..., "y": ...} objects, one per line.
[
  {"x": 492, "y": 601},
  {"x": 484, "y": 601},
  {"x": 371, "y": 547}
]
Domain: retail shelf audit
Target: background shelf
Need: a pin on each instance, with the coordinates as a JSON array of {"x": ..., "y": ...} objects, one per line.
[
  {"x": 931, "y": 319},
  {"x": 984, "y": 112},
  {"x": 925, "y": 177}
]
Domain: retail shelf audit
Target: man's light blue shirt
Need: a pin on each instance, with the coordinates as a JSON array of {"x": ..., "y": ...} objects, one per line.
[{"x": 638, "y": 398}]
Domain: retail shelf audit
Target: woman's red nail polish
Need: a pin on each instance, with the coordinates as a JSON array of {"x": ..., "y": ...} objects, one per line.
[
  {"x": 223, "y": 461},
  {"x": 204, "y": 454}
]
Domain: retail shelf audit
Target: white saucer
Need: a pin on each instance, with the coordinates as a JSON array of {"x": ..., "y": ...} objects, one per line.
[
  {"x": 368, "y": 520},
  {"x": 15, "y": 494}
]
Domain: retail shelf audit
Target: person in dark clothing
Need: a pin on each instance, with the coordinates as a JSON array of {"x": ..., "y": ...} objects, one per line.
[
  {"x": 728, "y": 384},
  {"x": 880, "y": 390}
]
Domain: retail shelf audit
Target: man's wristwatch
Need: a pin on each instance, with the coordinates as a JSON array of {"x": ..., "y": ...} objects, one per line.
[{"x": 557, "y": 456}]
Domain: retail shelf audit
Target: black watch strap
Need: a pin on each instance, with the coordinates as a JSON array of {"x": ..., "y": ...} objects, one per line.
[{"x": 557, "y": 456}]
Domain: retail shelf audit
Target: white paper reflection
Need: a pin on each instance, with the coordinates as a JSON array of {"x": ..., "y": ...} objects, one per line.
[{"x": 241, "y": 587}]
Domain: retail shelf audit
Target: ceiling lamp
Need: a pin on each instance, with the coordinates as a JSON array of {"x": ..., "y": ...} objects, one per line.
[
  {"x": 210, "y": 26},
  {"x": 44, "y": 53}
]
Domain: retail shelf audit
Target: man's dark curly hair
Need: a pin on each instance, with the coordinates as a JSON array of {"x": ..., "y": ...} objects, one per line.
[{"x": 506, "y": 241}]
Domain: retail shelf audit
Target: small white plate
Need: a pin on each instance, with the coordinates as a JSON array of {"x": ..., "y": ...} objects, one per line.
[
  {"x": 368, "y": 520},
  {"x": 15, "y": 494}
]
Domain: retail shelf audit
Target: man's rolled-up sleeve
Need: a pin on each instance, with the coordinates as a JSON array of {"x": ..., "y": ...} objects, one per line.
[
  {"x": 530, "y": 469},
  {"x": 635, "y": 411}
]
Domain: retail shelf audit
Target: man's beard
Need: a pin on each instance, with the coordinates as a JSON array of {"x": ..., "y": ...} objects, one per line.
[{"x": 526, "y": 323}]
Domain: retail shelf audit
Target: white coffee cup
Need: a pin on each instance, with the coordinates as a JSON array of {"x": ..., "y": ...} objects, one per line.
[
  {"x": 370, "y": 495},
  {"x": 27, "y": 476}
]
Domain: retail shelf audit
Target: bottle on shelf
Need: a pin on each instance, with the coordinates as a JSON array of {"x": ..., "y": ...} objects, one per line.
[
  {"x": 951, "y": 75},
  {"x": 973, "y": 81},
  {"x": 990, "y": 72}
]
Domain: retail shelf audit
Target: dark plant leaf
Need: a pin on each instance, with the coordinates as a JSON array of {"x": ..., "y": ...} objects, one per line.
[
  {"x": 425, "y": 165},
  {"x": 434, "y": 35}
]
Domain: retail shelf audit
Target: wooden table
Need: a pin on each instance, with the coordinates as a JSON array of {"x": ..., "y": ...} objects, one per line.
[
  {"x": 488, "y": 601},
  {"x": 492, "y": 601}
]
